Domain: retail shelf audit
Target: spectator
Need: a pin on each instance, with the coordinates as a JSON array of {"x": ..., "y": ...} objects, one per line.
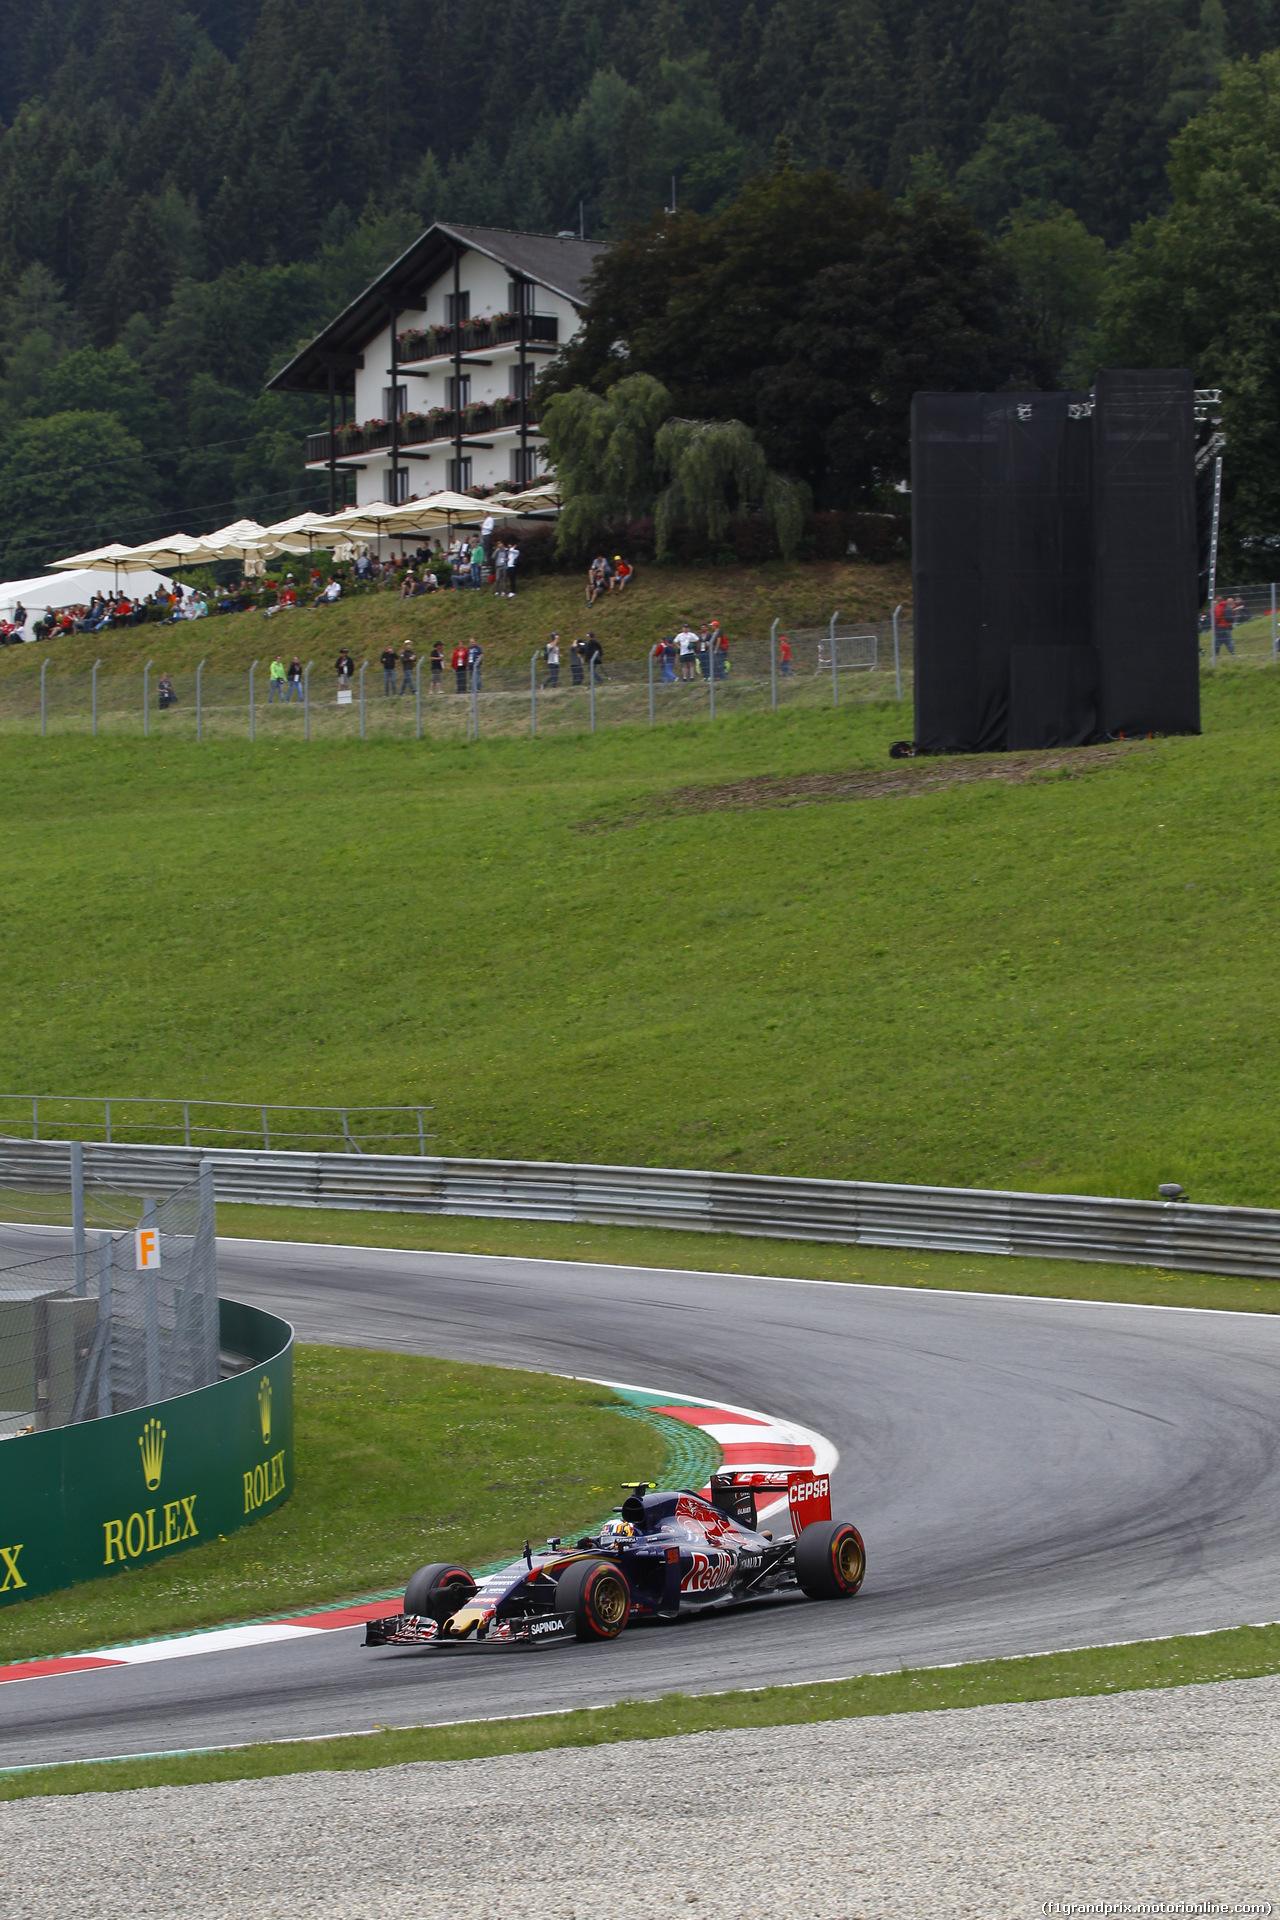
[
  {"x": 477, "y": 564},
  {"x": 622, "y": 572},
  {"x": 552, "y": 652},
  {"x": 409, "y": 585},
  {"x": 165, "y": 693},
  {"x": 577, "y": 654},
  {"x": 784, "y": 653},
  {"x": 719, "y": 643},
  {"x": 363, "y": 569},
  {"x": 475, "y": 656},
  {"x": 275, "y": 681},
  {"x": 500, "y": 569},
  {"x": 486, "y": 533},
  {"x": 1222, "y": 629},
  {"x": 388, "y": 658},
  {"x": 344, "y": 667},
  {"x": 437, "y": 667},
  {"x": 458, "y": 661},
  {"x": 331, "y": 593},
  {"x": 294, "y": 678},
  {"x": 687, "y": 647},
  {"x": 593, "y": 653},
  {"x": 408, "y": 661},
  {"x": 597, "y": 578},
  {"x": 513, "y": 555}
]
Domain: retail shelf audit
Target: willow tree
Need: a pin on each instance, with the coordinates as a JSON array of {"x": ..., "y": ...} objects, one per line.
[
  {"x": 602, "y": 449},
  {"x": 714, "y": 469}
]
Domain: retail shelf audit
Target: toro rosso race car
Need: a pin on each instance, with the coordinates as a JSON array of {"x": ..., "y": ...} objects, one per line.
[{"x": 663, "y": 1555}]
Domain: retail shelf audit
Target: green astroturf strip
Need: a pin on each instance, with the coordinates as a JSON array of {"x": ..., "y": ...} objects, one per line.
[{"x": 1240, "y": 1653}]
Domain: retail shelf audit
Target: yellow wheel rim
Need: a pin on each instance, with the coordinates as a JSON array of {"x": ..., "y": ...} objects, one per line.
[
  {"x": 849, "y": 1562},
  {"x": 609, "y": 1599}
]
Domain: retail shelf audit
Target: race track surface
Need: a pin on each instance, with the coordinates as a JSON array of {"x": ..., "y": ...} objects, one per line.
[{"x": 1027, "y": 1474}]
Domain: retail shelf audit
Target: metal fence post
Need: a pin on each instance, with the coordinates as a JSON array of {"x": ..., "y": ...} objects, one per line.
[
  {"x": 105, "y": 1252},
  {"x": 77, "y": 1213},
  {"x": 1213, "y": 559},
  {"x": 422, "y": 1141},
  {"x": 44, "y": 668},
  {"x": 897, "y": 658},
  {"x": 363, "y": 669},
  {"x": 253, "y": 668},
  {"x": 206, "y": 1233},
  {"x": 835, "y": 677},
  {"x": 1273, "y": 620},
  {"x": 711, "y": 670},
  {"x": 200, "y": 701},
  {"x": 146, "y": 699},
  {"x": 475, "y": 702},
  {"x": 651, "y": 686},
  {"x": 591, "y": 678},
  {"x": 266, "y": 1137},
  {"x": 417, "y": 693},
  {"x": 306, "y": 701},
  {"x": 186, "y": 1123},
  {"x": 35, "y": 1116},
  {"x": 773, "y": 666},
  {"x": 151, "y": 1311},
  {"x": 96, "y": 665},
  {"x": 533, "y": 695}
]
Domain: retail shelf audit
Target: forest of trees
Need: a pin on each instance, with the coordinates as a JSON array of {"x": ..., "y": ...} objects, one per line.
[{"x": 186, "y": 192}]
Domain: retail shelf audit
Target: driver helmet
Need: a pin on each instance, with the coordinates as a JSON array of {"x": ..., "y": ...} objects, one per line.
[{"x": 617, "y": 1530}]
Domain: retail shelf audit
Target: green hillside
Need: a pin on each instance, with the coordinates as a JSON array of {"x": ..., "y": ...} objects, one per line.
[{"x": 1051, "y": 973}]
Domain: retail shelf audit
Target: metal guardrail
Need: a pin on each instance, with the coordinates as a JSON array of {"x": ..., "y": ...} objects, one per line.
[{"x": 1173, "y": 1234}]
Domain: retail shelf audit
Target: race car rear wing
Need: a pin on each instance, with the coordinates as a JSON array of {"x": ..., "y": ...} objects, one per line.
[{"x": 808, "y": 1494}]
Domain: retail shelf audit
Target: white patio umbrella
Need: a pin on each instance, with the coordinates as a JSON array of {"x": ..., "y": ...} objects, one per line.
[
  {"x": 178, "y": 550},
  {"x": 119, "y": 559},
  {"x": 235, "y": 542},
  {"x": 304, "y": 533}
]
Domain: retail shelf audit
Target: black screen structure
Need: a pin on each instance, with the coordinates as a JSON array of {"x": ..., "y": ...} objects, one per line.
[{"x": 1009, "y": 519}]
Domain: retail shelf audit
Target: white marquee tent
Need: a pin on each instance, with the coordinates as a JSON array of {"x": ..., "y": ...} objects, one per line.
[{"x": 72, "y": 590}]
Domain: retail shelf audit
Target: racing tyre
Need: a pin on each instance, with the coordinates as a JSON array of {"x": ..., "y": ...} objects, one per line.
[
  {"x": 596, "y": 1593},
  {"x": 830, "y": 1560},
  {"x": 438, "y": 1590}
]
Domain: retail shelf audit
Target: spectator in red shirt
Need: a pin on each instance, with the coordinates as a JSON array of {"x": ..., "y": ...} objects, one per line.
[
  {"x": 1222, "y": 629},
  {"x": 784, "y": 653},
  {"x": 458, "y": 661}
]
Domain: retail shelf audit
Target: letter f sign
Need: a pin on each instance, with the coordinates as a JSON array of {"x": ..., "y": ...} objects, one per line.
[{"x": 146, "y": 1243}]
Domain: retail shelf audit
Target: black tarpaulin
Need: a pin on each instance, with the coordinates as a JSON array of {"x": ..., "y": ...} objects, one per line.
[
  {"x": 1007, "y": 519},
  {"x": 1145, "y": 603}
]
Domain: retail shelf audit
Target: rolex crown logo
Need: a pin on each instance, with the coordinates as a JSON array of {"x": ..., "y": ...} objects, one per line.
[
  {"x": 151, "y": 1441},
  {"x": 264, "y": 1408}
]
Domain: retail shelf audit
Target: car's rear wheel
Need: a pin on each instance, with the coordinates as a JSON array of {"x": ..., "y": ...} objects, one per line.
[
  {"x": 438, "y": 1590},
  {"x": 830, "y": 1560},
  {"x": 596, "y": 1593}
]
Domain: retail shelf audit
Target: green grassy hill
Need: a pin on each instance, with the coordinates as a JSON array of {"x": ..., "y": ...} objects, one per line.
[
  {"x": 744, "y": 599},
  {"x": 1059, "y": 976}
]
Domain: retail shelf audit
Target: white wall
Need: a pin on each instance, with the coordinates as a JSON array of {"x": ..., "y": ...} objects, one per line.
[{"x": 488, "y": 283}]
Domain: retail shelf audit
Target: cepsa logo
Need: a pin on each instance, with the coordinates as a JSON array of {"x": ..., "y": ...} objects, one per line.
[{"x": 809, "y": 1500}]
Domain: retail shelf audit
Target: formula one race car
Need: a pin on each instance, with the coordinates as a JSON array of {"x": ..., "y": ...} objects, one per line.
[{"x": 665, "y": 1554}]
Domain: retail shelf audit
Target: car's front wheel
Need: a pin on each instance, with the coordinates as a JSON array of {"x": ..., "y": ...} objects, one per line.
[
  {"x": 596, "y": 1593},
  {"x": 438, "y": 1590},
  {"x": 830, "y": 1560}
]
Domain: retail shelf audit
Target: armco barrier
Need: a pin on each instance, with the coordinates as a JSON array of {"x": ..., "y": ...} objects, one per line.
[
  {"x": 1236, "y": 1240},
  {"x": 83, "y": 1502}
]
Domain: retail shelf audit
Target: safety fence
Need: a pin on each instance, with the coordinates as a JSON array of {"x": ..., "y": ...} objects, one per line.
[
  {"x": 1172, "y": 1234},
  {"x": 200, "y": 1123},
  {"x": 120, "y": 1321},
  {"x": 84, "y": 1502},
  {"x": 505, "y": 698},
  {"x": 1253, "y": 635}
]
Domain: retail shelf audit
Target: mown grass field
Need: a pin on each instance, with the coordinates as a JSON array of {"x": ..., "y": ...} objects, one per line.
[
  {"x": 1060, "y": 981},
  {"x": 400, "y": 1460}
]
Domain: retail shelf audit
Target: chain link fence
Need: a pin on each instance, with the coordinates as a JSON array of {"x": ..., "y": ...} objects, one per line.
[
  {"x": 125, "y": 1319},
  {"x": 1254, "y": 630},
  {"x": 511, "y": 697},
  {"x": 210, "y": 1123}
]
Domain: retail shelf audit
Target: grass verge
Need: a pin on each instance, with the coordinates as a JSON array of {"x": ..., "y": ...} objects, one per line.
[
  {"x": 1064, "y": 984},
  {"x": 400, "y": 1460},
  {"x": 740, "y": 1253},
  {"x": 1242, "y": 1653}
]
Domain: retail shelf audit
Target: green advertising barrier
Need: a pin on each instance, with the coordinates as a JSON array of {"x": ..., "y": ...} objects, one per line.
[{"x": 81, "y": 1502}]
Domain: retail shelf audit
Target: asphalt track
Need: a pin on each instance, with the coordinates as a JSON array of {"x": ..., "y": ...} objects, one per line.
[{"x": 1028, "y": 1474}]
